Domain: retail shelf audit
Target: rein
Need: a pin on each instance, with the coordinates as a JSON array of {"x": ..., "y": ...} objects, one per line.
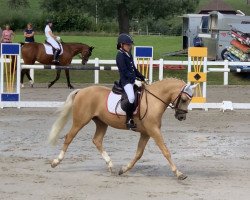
[{"x": 175, "y": 107}]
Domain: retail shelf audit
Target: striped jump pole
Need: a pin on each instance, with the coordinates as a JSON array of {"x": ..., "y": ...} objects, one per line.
[{"x": 83, "y": 67}]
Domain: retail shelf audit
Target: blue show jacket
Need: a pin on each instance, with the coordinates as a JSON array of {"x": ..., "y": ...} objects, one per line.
[{"x": 127, "y": 69}]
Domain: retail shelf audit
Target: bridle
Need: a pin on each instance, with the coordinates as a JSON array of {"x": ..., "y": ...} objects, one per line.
[
  {"x": 83, "y": 57},
  {"x": 178, "y": 99},
  {"x": 173, "y": 105}
]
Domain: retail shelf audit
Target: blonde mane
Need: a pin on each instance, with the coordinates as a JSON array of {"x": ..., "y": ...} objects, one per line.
[{"x": 170, "y": 79}]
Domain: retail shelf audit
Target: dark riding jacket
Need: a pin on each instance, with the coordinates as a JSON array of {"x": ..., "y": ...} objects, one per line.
[
  {"x": 127, "y": 69},
  {"x": 29, "y": 39}
]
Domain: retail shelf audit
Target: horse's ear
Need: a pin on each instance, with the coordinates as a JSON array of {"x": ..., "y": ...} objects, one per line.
[
  {"x": 189, "y": 89},
  {"x": 194, "y": 86},
  {"x": 91, "y": 48}
]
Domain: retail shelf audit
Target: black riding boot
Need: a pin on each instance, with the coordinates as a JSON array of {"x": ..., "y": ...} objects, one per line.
[
  {"x": 56, "y": 56},
  {"x": 129, "y": 121}
]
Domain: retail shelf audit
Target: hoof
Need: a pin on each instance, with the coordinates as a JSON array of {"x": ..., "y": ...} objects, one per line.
[
  {"x": 110, "y": 170},
  {"x": 182, "y": 177},
  {"x": 70, "y": 86},
  {"x": 49, "y": 85},
  {"x": 120, "y": 172},
  {"x": 31, "y": 83},
  {"x": 54, "y": 163}
]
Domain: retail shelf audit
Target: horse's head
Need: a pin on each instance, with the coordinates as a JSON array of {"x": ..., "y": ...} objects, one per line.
[
  {"x": 86, "y": 53},
  {"x": 181, "y": 101}
]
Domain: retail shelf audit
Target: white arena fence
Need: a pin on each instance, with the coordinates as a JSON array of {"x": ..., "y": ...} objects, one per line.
[{"x": 98, "y": 64}]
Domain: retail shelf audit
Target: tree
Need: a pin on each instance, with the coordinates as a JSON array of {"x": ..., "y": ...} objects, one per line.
[
  {"x": 126, "y": 10},
  {"x": 16, "y": 4},
  {"x": 122, "y": 10}
]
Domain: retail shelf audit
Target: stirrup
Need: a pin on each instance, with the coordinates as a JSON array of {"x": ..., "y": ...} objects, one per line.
[
  {"x": 55, "y": 61},
  {"x": 130, "y": 124}
]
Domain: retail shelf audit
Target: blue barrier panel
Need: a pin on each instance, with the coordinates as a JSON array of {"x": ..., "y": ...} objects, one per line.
[
  {"x": 9, "y": 97},
  {"x": 10, "y": 49},
  {"x": 146, "y": 52}
]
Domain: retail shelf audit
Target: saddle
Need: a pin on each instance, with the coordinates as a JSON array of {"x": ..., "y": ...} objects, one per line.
[
  {"x": 50, "y": 50},
  {"x": 117, "y": 89}
]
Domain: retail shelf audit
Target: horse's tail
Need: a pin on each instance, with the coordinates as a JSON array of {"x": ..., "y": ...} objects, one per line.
[{"x": 65, "y": 112}]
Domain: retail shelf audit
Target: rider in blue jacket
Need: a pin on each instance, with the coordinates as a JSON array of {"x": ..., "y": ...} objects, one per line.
[{"x": 128, "y": 73}]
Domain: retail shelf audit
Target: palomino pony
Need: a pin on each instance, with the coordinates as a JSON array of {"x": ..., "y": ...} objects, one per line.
[
  {"x": 90, "y": 104},
  {"x": 32, "y": 52}
]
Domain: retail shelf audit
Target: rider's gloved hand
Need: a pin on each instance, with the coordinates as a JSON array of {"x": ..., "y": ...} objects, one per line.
[
  {"x": 146, "y": 81},
  {"x": 58, "y": 38}
]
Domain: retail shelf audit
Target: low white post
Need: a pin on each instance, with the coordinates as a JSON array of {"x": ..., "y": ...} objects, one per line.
[
  {"x": 32, "y": 74},
  {"x": 189, "y": 67},
  {"x": 161, "y": 65},
  {"x": 226, "y": 72},
  {"x": 151, "y": 70},
  {"x": 96, "y": 71},
  {"x": 205, "y": 83}
]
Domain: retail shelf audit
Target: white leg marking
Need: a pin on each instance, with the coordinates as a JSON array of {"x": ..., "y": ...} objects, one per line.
[
  {"x": 61, "y": 155},
  {"x": 59, "y": 159},
  {"x": 107, "y": 159}
]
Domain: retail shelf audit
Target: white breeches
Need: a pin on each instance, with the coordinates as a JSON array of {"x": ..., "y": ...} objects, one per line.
[
  {"x": 53, "y": 43},
  {"x": 129, "y": 89}
]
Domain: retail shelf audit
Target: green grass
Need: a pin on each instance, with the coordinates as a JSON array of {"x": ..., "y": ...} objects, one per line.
[{"x": 105, "y": 48}]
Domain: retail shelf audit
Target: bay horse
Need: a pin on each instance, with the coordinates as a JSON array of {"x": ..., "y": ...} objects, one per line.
[
  {"x": 32, "y": 52},
  {"x": 90, "y": 104}
]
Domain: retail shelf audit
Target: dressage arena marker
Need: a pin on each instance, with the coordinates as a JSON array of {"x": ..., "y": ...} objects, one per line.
[
  {"x": 143, "y": 56},
  {"x": 197, "y": 59},
  {"x": 10, "y": 73}
]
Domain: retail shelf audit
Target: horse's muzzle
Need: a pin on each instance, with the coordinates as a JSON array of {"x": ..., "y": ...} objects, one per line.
[
  {"x": 180, "y": 115},
  {"x": 84, "y": 61}
]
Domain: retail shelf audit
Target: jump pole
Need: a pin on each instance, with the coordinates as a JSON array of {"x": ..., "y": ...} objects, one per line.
[{"x": 84, "y": 67}]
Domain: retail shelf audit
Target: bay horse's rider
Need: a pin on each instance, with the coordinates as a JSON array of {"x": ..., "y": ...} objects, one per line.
[
  {"x": 52, "y": 40},
  {"x": 128, "y": 73}
]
